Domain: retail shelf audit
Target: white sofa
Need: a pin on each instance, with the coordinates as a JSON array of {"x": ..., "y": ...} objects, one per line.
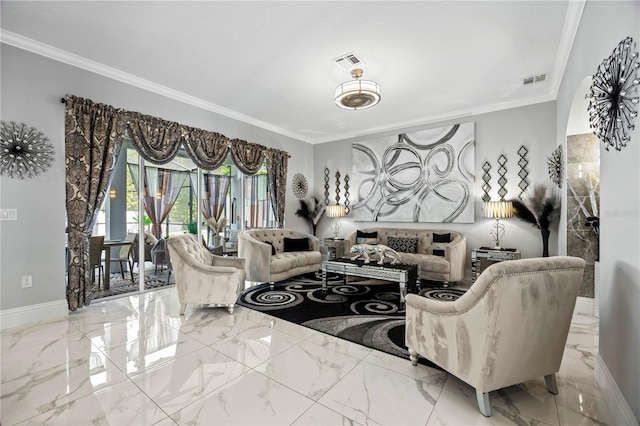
[
  {"x": 447, "y": 269},
  {"x": 262, "y": 266}
]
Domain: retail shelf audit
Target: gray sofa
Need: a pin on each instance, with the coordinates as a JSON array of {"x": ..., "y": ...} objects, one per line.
[
  {"x": 448, "y": 268},
  {"x": 262, "y": 266}
]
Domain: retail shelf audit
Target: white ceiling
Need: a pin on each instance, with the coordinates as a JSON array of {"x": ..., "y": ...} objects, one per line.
[{"x": 270, "y": 63}]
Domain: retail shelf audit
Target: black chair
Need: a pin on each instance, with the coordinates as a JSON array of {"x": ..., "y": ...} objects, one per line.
[{"x": 95, "y": 258}]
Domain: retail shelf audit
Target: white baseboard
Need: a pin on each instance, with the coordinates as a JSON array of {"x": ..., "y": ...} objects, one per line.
[
  {"x": 24, "y": 315},
  {"x": 584, "y": 305},
  {"x": 618, "y": 405}
]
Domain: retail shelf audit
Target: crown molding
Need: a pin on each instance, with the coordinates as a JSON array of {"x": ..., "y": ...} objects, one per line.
[
  {"x": 25, "y": 43},
  {"x": 410, "y": 125}
]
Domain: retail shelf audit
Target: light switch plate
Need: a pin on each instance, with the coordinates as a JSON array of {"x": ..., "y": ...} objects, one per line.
[{"x": 8, "y": 214}]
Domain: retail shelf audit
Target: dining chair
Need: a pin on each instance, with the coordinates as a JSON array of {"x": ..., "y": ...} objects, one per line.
[
  {"x": 95, "y": 258},
  {"x": 124, "y": 254}
]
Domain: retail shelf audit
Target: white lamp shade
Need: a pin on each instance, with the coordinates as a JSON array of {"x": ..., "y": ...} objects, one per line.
[
  {"x": 497, "y": 209},
  {"x": 335, "y": 211}
]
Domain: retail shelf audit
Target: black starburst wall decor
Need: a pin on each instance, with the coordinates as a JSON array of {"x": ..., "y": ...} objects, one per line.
[
  {"x": 613, "y": 96},
  {"x": 556, "y": 166},
  {"x": 24, "y": 151}
]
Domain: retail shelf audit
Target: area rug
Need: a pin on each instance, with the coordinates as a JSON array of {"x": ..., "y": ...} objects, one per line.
[
  {"x": 118, "y": 285},
  {"x": 364, "y": 311}
]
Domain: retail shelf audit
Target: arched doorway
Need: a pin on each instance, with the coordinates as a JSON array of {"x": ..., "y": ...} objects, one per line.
[{"x": 583, "y": 189}]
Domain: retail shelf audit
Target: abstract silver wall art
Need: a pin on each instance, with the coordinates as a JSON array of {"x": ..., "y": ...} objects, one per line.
[
  {"x": 421, "y": 176},
  {"x": 337, "y": 187}
]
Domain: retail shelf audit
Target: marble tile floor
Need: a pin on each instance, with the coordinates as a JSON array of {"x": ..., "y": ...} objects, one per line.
[{"x": 134, "y": 360}]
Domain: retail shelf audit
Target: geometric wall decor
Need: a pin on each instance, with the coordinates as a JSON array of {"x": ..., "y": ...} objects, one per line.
[
  {"x": 502, "y": 181},
  {"x": 24, "y": 151},
  {"x": 524, "y": 184},
  {"x": 326, "y": 186},
  {"x": 486, "y": 177},
  {"x": 556, "y": 166},
  {"x": 346, "y": 194},
  {"x": 421, "y": 176},
  {"x": 337, "y": 187}
]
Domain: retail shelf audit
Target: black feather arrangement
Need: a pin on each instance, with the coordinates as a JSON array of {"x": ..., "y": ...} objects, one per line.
[{"x": 312, "y": 210}]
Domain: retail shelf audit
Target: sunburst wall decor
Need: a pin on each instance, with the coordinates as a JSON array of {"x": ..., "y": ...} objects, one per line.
[
  {"x": 612, "y": 96},
  {"x": 556, "y": 166},
  {"x": 24, "y": 151}
]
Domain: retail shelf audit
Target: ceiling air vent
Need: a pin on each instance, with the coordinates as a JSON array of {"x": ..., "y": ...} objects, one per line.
[
  {"x": 534, "y": 79},
  {"x": 348, "y": 61}
]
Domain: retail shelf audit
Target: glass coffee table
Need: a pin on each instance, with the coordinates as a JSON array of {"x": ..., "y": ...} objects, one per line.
[{"x": 406, "y": 275}]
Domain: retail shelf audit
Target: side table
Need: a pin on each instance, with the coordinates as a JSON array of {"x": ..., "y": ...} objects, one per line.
[
  {"x": 331, "y": 248},
  {"x": 483, "y": 257}
]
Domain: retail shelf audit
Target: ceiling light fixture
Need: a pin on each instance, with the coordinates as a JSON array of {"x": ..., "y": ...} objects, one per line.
[{"x": 357, "y": 94}]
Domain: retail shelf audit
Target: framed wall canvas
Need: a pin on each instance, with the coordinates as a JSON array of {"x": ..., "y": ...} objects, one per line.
[{"x": 421, "y": 176}]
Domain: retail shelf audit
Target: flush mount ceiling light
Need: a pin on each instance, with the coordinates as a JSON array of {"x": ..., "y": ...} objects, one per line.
[{"x": 357, "y": 94}]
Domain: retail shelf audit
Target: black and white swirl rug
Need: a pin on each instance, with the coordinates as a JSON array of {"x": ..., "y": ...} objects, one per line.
[{"x": 364, "y": 311}]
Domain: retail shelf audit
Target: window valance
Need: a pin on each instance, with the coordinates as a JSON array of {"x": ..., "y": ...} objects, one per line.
[{"x": 159, "y": 141}]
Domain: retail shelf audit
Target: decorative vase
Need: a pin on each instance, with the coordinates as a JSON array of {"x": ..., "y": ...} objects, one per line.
[{"x": 545, "y": 242}]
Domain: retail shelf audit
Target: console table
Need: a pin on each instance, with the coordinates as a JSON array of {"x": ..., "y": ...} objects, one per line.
[
  {"x": 483, "y": 257},
  {"x": 406, "y": 275}
]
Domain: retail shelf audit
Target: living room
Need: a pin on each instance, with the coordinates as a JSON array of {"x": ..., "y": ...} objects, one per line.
[{"x": 34, "y": 79}]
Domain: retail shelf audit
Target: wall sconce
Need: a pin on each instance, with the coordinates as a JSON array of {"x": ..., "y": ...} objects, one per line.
[
  {"x": 497, "y": 210},
  {"x": 336, "y": 212},
  {"x": 112, "y": 193}
]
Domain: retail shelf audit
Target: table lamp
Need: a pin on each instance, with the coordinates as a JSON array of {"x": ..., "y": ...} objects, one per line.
[
  {"x": 497, "y": 210},
  {"x": 336, "y": 212}
]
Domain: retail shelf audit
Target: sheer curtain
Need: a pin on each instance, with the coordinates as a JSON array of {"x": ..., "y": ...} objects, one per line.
[
  {"x": 258, "y": 209},
  {"x": 93, "y": 138},
  {"x": 216, "y": 188},
  {"x": 160, "y": 190}
]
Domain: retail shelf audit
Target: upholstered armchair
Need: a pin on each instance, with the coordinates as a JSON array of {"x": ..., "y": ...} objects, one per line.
[
  {"x": 509, "y": 327},
  {"x": 203, "y": 278}
]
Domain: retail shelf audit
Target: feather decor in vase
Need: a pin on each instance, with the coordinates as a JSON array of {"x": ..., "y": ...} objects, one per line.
[
  {"x": 312, "y": 210},
  {"x": 540, "y": 206}
]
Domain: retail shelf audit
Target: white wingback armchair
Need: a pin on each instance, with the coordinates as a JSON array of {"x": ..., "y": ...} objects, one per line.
[
  {"x": 203, "y": 278},
  {"x": 509, "y": 327}
]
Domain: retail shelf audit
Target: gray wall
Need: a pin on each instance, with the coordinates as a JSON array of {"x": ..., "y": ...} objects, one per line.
[
  {"x": 496, "y": 133},
  {"x": 603, "y": 26},
  {"x": 32, "y": 86}
]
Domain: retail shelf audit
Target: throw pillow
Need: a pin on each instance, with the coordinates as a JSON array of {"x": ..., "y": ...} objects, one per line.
[
  {"x": 296, "y": 244},
  {"x": 403, "y": 245},
  {"x": 366, "y": 237},
  {"x": 273, "y": 249},
  {"x": 442, "y": 238},
  {"x": 440, "y": 242}
]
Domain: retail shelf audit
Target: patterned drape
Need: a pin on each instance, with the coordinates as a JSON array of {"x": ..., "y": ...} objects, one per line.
[
  {"x": 277, "y": 162},
  {"x": 259, "y": 214},
  {"x": 207, "y": 149},
  {"x": 248, "y": 157},
  {"x": 156, "y": 140},
  {"x": 93, "y": 137}
]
